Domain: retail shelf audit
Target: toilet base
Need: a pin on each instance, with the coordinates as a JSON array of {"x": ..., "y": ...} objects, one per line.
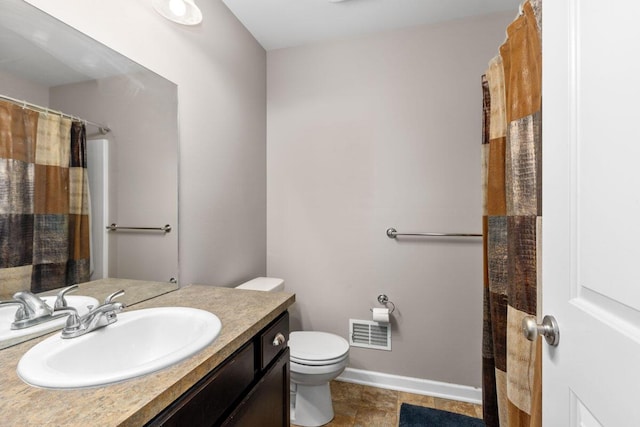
[{"x": 313, "y": 405}]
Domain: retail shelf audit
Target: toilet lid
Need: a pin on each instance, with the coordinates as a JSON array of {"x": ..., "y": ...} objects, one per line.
[{"x": 313, "y": 348}]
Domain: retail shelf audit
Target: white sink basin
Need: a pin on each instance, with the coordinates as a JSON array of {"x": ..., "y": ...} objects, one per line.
[
  {"x": 8, "y": 313},
  {"x": 140, "y": 342}
]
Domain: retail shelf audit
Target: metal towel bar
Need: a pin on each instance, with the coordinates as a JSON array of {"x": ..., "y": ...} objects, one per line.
[
  {"x": 116, "y": 227},
  {"x": 392, "y": 233}
]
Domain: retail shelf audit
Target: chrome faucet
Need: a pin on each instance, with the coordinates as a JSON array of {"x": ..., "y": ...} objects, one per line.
[
  {"x": 96, "y": 318},
  {"x": 32, "y": 311}
]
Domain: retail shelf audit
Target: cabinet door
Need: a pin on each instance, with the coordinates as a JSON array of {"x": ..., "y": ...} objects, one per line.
[
  {"x": 206, "y": 402},
  {"x": 267, "y": 405}
]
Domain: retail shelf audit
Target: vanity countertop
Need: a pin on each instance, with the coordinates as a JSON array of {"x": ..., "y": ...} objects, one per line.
[{"x": 134, "y": 402}]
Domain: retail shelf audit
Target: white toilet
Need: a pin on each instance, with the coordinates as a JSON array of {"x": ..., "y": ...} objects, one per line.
[{"x": 316, "y": 358}]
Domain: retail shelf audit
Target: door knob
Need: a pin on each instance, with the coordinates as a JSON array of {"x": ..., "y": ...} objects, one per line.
[{"x": 548, "y": 329}]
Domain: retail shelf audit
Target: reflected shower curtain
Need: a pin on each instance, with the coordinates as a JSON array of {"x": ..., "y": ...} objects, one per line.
[
  {"x": 44, "y": 220},
  {"x": 512, "y": 209}
]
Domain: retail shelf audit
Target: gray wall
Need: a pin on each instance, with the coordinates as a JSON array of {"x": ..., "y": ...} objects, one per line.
[
  {"x": 21, "y": 89},
  {"x": 374, "y": 132},
  {"x": 220, "y": 72}
]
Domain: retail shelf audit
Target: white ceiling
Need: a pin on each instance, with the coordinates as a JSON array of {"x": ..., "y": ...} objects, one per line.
[{"x": 285, "y": 23}]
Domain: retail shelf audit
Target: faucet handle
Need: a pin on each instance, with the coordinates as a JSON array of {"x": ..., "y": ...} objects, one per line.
[
  {"x": 61, "y": 302},
  {"x": 73, "y": 320},
  {"x": 108, "y": 300},
  {"x": 22, "y": 311}
]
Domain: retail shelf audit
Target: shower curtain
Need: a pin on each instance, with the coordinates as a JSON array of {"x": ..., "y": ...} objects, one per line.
[
  {"x": 512, "y": 209},
  {"x": 44, "y": 220}
]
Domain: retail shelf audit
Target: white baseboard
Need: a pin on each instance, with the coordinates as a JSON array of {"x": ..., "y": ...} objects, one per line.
[{"x": 461, "y": 393}]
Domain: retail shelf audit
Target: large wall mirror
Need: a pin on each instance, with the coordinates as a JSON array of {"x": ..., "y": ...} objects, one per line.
[{"x": 132, "y": 169}]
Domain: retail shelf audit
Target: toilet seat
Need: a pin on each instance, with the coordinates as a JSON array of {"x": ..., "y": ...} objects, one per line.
[
  {"x": 313, "y": 348},
  {"x": 318, "y": 362},
  {"x": 316, "y": 373}
]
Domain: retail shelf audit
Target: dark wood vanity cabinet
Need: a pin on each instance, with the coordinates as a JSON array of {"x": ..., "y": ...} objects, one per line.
[
  {"x": 267, "y": 405},
  {"x": 249, "y": 389}
]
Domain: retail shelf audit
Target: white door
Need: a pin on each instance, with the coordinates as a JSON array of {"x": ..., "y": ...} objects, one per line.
[{"x": 591, "y": 211}]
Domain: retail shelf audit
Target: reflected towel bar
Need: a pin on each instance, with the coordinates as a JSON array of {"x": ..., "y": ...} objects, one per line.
[
  {"x": 392, "y": 233},
  {"x": 116, "y": 227}
]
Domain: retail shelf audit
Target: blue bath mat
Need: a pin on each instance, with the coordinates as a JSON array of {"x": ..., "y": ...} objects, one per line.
[{"x": 419, "y": 416}]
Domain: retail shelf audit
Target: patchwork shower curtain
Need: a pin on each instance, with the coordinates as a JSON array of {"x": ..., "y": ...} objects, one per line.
[
  {"x": 44, "y": 206},
  {"x": 512, "y": 209}
]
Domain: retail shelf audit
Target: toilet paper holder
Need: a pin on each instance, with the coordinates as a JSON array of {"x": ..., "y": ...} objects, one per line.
[{"x": 384, "y": 300}]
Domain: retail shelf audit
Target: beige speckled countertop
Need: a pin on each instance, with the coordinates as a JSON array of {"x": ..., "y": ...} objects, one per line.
[{"x": 132, "y": 403}]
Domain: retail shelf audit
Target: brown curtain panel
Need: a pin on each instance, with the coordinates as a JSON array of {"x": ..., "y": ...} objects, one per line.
[
  {"x": 512, "y": 209},
  {"x": 44, "y": 206}
]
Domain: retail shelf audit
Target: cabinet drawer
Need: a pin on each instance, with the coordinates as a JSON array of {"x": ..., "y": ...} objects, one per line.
[
  {"x": 209, "y": 399},
  {"x": 268, "y": 348}
]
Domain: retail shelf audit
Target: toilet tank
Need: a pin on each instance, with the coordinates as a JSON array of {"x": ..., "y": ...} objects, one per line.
[{"x": 269, "y": 284}]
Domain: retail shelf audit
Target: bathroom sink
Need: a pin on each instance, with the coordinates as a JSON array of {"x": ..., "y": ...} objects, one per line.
[
  {"x": 140, "y": 342},
  {"x": 8, "y": 312}
]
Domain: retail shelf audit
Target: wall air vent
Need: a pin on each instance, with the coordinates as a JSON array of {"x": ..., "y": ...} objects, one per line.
[{"x": 369, "y": 334}]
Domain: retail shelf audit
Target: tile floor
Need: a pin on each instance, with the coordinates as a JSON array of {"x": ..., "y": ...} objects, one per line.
[{"x": 363, "y": 406}]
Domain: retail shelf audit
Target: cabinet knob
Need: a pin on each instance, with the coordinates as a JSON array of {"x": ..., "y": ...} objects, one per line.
[{"x": 279, "y": 340}]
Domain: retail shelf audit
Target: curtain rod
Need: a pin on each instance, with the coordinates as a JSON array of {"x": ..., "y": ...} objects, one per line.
[{"x": 102, "y": 129}]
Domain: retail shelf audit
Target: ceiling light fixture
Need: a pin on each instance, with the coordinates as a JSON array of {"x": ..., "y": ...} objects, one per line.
[{"x": 183, "y": 12}]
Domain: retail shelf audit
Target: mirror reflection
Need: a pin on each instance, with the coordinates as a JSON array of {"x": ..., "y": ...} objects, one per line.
[
  {"x": 88, "y": 138},
  {"x": 86, "y": 297}
]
